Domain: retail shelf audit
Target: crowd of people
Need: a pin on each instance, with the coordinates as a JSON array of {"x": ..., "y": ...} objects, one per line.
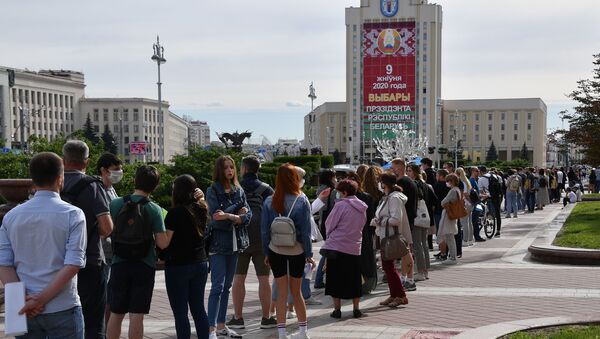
[{"x": 88, "y": 257}]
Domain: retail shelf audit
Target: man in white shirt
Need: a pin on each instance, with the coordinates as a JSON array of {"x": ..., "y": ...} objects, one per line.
[{"x": 42, "y": 244}]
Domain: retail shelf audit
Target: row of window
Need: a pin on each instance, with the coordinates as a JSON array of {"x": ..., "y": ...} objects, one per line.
[
  {"x": 491, "y": 116},
  {"x": 48, "y": 126},
  {"x": 45, "y": 113},
  {"x": 149, "y": 115},
  {"x": 25, "y": 96},
  {"x": 502, "y": 137}
]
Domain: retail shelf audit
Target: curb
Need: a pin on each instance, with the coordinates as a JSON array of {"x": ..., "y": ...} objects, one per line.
[
  {"x": 502, "y": 329},
  {"x": 543, "y": 250}
]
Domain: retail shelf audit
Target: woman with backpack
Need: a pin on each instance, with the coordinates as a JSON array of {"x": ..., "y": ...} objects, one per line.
[
  {"x": 285, "y": 232},
  {"x": 227, "y": 237},
  {"x": 448, "y": 227},
  {"x": 186, "y": 262},
  {"x": 466, "y": 223},
  {"x": 543, "y": 197}
]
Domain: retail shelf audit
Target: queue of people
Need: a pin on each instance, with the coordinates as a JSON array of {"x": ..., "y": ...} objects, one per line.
[{"x": 101, "y": 262}]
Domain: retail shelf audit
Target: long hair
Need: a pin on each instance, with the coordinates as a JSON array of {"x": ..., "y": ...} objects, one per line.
[
  {"x": 416, "y": 169},
  {"x": 183, "y": 195},
  {"x": 362, "y": 171},
  {"x": 287, "y": 181},
  {"x": 460, "y": 172},
  {"x": 219, "y": 172},
  {"x": 371, "y": 181}
]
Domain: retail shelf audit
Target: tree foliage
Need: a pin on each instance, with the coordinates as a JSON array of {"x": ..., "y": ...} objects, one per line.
[
  {"x": 88, "y": 130},
  {"x": 110, "y": 145},
  {"x": 491, "y": 155},
  {"x": 524, "y": 152},
  {"x": 584, "y": 120}
]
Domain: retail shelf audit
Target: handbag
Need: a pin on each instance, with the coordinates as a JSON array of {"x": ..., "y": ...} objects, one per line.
[
  {"x": 456, "y": 209},
  {"x": 422, "y": 218},
  {"x": 393, "y": 246}
]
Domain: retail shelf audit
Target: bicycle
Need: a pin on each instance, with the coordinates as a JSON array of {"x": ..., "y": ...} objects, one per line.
[{"x": 487, "y": 222}]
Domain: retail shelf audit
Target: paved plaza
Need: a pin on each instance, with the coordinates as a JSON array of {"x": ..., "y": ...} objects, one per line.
[{"x": 494, "y": 282}]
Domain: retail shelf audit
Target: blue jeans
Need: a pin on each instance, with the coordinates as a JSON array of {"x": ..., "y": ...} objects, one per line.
[
  {"x": 476, "y": 225},
  {"x": 319, "y": 274},
  {"x": 512, "y": 203},
  {"x": 65, "y": 325},
  {"x": 185, "y": 286},
  {"x": 530, "y": 199},
  {"x": 305, "y": 288},
  {"x": 597, "y": 188},
  {"x": 222, "y": 269}
]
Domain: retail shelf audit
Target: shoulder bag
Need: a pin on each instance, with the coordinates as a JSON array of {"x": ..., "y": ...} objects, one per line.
[
  {"x": 456, "y": 209},
  {"x": 393, "y": 246}
]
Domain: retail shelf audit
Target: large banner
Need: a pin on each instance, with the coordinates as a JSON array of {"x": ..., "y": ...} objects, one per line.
[{"x": 389, "y": 67}]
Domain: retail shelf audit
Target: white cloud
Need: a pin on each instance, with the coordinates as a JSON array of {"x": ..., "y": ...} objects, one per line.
[{"x": 294, "y": 104}]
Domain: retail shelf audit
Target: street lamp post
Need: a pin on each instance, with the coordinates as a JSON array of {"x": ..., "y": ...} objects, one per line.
[{"x": 159, "y": 57}]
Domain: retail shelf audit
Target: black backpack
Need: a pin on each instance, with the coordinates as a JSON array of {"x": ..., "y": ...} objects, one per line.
[
  {"x": 543, "y": 181},
  {"x": 495, "y": 186},
  {"x": 255, "y": 201},
  {"x": 474, "y": 196},
  {"x": 132, "y": 235}
]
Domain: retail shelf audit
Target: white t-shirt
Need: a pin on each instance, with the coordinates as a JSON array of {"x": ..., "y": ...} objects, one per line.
[
  {"x": 560, "y": 176},
  {"x": 572, "y": 197}
]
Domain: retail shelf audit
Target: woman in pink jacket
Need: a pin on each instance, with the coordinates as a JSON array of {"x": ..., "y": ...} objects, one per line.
[{"x": 344, "y": 227}]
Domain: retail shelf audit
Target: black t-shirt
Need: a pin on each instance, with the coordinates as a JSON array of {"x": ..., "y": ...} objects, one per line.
[
  {"x": 187, "y": 245},
  {"x": 441, "y": 190},
  {"x": 409, "y": 188}
]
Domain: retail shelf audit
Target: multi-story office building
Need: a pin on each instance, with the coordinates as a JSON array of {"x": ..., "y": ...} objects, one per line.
[
  {"x": 138, "y": 120},
  {"x": 508, "y": 123},
  {"x": 44, "y": 103},
  {"x": 326, "y": 127},
  {"x": 176, "y": 136},
  {"x": 393, "y": 67},
  {"x": 199, "y": 133}
]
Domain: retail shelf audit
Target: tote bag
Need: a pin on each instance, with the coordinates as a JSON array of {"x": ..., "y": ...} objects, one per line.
[{"x": 422, "y": 219}]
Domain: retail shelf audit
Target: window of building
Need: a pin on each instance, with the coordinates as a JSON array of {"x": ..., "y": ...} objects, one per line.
[
  {"x": 105, "y": 116},
  {"x": 516, "y": 116},
  {"x": 425, "y": 36},
  {"x": 476, "y": 137},
  {"x": 71, "y": 101},
  {"x": 528, "y": 137},
  {"x": 136, "y": 129},
  {"x": 96, "y": 128},
  {"x": 477, "y": 128},
  {"x": 502, "y": 127},
  {"x": 490, "y": 116},
  {"x": 490, "y": 127},
  {"x": 501, "y": 137},
  {"x": 529, "y": 116},
  {"x": 136, "y": 116},
  {"x": 126, "y": 116},
  {"x": 126, "y": 140},
  {"x": 516, "y": 127},
  {"x": 96, "y": 116},
  {"x": 516, "y": 137},
  {"x": 126, "y": 128},
  {"x": 503, "y": 116},
  {"x": 115, "y": 128},
  {"x": 529, "y": 127},
  {"x": 489, "y": 137},
  {"x": 424, "y": 111},
  {"x": 115, "y": 116},
  {"x": 477, "y": 117},
  {"x": 96, "y": 110}
]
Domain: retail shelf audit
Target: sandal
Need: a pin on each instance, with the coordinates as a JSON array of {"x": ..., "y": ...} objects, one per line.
[
  {"x": 387, "y": 301},
  {"x": 398, "y": 301}
]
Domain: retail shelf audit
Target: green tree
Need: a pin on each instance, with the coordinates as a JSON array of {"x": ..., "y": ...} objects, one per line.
[
  {"x": 110, "y": 145},
  {"x": 88, "y": 130},
  {"x": 524, "y": 152},
  {"x": 584, "y": 121},
  {"x": 491, "y": 155}
]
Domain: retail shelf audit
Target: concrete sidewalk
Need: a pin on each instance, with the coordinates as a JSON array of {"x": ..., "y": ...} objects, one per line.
[{"x": 493, "y": 282}]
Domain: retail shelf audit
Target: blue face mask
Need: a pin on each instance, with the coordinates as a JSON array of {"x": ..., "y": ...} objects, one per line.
[{"x": 338, "y": 195}]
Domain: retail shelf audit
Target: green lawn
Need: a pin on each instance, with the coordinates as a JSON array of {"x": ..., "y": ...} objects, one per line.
[
  {"x": 582, "y": 228},
  {"x": 567, "y": 332},
  {"x": 591, "y": 195}
]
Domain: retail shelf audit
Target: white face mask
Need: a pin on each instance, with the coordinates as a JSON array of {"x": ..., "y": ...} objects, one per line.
[
  {"x": 448, "y": 185},
  {"x": 302, "y": 183},
  {"x": 115, "y": 176},
  {"x": 380, "y": 187}
]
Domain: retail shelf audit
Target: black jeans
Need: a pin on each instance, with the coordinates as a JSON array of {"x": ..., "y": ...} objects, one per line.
[
  {"x": 458, "y": 238},
  {"x": 494, "y": 206},
  {"x": 91, "y": 285},
  {"x": 476, "y": 225}
]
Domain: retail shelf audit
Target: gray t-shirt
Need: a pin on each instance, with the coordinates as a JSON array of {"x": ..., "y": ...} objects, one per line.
[{"x": 94, "y": 203}]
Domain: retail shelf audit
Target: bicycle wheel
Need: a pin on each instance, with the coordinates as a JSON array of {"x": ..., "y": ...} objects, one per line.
[{"x": 489, "y": 227}]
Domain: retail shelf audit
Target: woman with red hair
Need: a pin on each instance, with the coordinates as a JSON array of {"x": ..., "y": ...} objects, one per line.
[{"x": 283, "y": 257}]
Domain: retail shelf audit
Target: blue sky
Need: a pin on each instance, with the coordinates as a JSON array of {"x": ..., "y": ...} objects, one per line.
[{"x": 247, "y": 64}]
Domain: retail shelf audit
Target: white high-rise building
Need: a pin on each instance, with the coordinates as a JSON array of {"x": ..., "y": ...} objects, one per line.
[
  {"x": 134, "y": 120},
  {"x": 199, "y": 133},
  {"x": 44, "y": 103},
  {"x": 393, "y": 68}
]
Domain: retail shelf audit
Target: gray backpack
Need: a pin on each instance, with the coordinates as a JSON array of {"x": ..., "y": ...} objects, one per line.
[{"x": 283, "y": 229}]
